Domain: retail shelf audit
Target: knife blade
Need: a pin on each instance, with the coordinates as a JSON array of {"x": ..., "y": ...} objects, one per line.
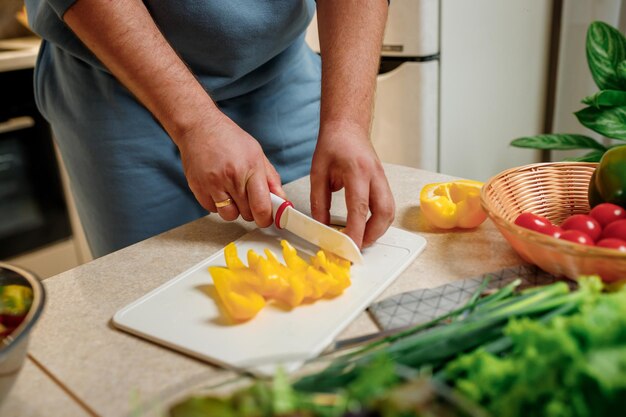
[{"x": 288, "y": 218}]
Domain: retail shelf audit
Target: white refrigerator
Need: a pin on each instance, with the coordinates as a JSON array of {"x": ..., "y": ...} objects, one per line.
[{"x": 406, "y": 115}]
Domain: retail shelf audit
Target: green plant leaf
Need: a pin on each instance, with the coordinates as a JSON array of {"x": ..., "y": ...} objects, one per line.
[
  {"x": 606, "y": 98},
  {"x": 593, "y": 156},
  {"x": 558, "y": 142},
  {"x": 606, "y": 49},
  {"x": 610, "y": 122},
  {"x": 621, "y": 70}
]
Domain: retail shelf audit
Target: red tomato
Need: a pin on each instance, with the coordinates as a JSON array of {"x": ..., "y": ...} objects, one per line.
[
  {"x": 577, "y": 236},
  {"x": 583, "y": 223},
  {"x": 613, "y": 243},
  {"x": 616, "y": 229},
  {"x": 606, "y": 213},
  {"x": 533, "y": 222},
  {"x": 552, "y": 230}
]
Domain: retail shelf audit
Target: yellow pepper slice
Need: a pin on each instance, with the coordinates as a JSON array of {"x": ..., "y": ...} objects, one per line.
[
  {"x": 293, "y": 294},
  {"x": 294, "y": 262},
  {"x": 273, "y": 283},
  {"x": 232, "y": 258},
  {"x": 240, "y": 300},
  {"x": 292, "y": 290},
  {"x": 453, "y": 204},
  {"x": 320, "y": 282},
  {"x": 340, "y": 275}
]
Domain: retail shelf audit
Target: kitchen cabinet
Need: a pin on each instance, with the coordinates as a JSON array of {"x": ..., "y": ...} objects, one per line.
[{"x": 38, "y": 228}]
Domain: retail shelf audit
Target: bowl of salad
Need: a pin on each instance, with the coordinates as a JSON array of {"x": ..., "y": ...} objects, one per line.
[{"x": 21, "y": 303}]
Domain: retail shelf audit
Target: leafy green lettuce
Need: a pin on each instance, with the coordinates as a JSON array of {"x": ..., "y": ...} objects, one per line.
[{"x": 569, "y": 366}]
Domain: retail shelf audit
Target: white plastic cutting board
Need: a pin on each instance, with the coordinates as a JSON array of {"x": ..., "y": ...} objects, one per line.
[{"x": 181, "y": 314}]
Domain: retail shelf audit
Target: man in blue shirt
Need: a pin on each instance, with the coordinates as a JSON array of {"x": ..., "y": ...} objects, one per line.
[{"x": 163, "y": 109}]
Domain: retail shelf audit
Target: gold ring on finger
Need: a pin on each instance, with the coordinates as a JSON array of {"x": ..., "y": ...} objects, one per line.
[{"x": 224, "y": 203}]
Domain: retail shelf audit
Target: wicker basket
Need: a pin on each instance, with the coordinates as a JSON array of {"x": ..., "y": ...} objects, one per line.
[{"x": 556, "y": 191}]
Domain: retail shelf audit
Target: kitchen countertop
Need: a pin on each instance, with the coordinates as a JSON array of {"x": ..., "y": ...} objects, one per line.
[
  {"x": 18, "y": 53},
  {"x": 35, "y": 394},
  {"x": 109, "y": 370}
]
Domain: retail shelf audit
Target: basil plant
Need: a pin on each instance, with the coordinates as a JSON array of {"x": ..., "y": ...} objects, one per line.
[{"x": 606, "y": 111}]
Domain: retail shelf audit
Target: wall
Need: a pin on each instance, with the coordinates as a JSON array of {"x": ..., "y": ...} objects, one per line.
[{"x": 494, "y": 61}]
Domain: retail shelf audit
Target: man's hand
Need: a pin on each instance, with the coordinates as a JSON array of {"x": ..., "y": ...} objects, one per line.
[
  {"x": 222, "y": 161},
  {"x": 344, "y": 158},
  {"x": 350, "y": 41}
]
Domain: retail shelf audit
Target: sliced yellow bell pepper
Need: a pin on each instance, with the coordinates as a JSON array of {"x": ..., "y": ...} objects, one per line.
[
  {"x": 292, "y": 290},
  {"x": 244, "y": 290},
  {"x": 273, "y": 283},
  {"x": 293, "y": 294},
  {"x": 240, "y": 300},
  {"x": 232, "y": 258},
  {"x": 294, "y": 262},
  {"x": 453, "y": 204},
  {"x": 340, "y": 274}
]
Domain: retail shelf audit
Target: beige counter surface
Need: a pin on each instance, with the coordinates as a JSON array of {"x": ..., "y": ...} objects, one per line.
[
  {"x": 111, "y": 371},
  {"x": 36, "y": 394}
]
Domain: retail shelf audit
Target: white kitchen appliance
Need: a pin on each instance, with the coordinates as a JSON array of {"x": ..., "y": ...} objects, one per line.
[{"x": 405, "y": 128}]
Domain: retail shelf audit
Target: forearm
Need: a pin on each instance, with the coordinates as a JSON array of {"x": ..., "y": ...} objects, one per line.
[
  {"x": 123, "y": 35},
  {"x": 351, "y": 34}
]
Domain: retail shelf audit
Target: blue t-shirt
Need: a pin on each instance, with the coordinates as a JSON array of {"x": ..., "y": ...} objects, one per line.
[{"x": 233, "y": 46}]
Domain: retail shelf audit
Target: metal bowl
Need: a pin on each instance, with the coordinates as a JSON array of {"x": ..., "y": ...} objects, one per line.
[{"x": 13, "y": 347}]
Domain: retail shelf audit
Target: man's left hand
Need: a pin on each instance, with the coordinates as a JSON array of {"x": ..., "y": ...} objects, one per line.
[{"x": 345, "y": 158}]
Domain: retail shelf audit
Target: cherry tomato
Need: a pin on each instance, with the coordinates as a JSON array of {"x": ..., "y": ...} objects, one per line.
[
  {"x": 577, "y": 236},
  {"x": 552, "y": 230},
  {"x": 616, "y": 229},
  {"x": 534, "y": 222},
  {"x": 583, "y": 223},
  {"x": 606, "y": 213},
  {"x": 613, "y": 243}
]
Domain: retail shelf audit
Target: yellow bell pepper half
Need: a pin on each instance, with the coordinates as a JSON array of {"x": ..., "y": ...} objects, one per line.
[
  {"x": 244, "y": 290},
  {"x": 453, "y": 204}
]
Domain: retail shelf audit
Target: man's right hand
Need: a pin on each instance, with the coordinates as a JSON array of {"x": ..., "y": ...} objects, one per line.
[{"x": 222, "y": 161}]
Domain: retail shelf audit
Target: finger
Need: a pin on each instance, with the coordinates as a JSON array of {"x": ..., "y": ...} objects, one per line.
[
  {"x": 320, "y": 197},
  {"x": 205, "y": 200},
  {"x": 229, "y": 212},
  {"x": 240, "y": 197},
  {"x": 273, "y": 180},
  {"x": 383, "y": 210},
  {"x": 201, "y": 193},
  {"x": 259, "y": 196},
  {"x": 357, "y": 202}
]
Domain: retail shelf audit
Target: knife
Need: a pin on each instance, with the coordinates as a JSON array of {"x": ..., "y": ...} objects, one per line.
[{"x": 288, "y": 218}]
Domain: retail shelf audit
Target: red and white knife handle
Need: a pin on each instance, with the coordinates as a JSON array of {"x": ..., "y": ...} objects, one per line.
[{"x": 278, "y": 207}]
